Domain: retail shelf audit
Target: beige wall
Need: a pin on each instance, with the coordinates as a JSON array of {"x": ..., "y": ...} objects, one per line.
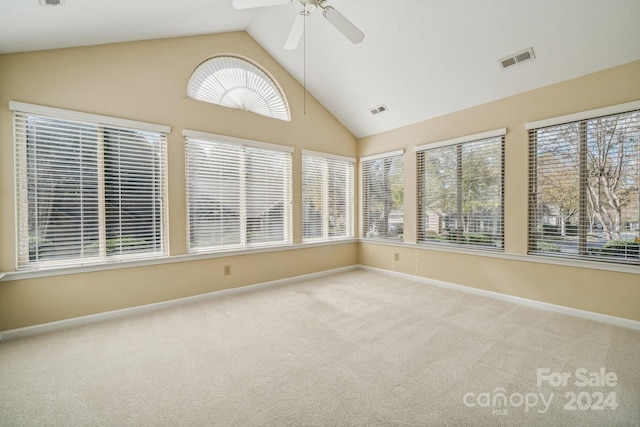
[
  {"x": 35, "y": 301},
  {"x": 147, "y": 81},
  {"x": 606, "y": 292}
]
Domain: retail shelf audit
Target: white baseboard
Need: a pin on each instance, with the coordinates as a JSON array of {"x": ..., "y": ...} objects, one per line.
[
  {"x": 603, "y": 318},
  {"x": 99, "y": 317},
  {"x": 27, "y": 331}
]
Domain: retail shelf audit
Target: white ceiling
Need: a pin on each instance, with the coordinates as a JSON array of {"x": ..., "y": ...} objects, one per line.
[{"x": 420, "y": 58}]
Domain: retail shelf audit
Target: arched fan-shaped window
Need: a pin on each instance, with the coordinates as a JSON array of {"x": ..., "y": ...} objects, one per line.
[{"x": 234, "y": 82}]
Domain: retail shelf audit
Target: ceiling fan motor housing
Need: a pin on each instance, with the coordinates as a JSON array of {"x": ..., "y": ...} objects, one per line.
[{"x": 311, "y": 5}]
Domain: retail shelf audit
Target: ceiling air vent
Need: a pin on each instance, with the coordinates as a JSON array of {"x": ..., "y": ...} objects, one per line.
[
  {"x": 517, "y": 58},
  {"x": 52, "y": 2},
  {"x": 377, "y": 110}
]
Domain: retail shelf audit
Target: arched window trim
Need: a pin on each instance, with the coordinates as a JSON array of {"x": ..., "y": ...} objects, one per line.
[{"x": 237, "y": 82}]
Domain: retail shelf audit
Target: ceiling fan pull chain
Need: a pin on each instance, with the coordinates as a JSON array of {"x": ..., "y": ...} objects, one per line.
[{"x": 304, "y": 62}]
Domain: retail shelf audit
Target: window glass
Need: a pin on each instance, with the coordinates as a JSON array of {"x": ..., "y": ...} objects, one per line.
[
  {"x": 238, "y": 194},
  {"x": 460, "y": 192},
  {"x": 383, "y": 197},
  {"x": 235, "y": 82},
  {"x": 327, "y": 197},
  {"x": 87, "y": 192},
  {"x": 584, "y": 179}
]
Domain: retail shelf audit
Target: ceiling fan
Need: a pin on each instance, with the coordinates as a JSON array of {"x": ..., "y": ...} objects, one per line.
[{"x": 341, "y": 23}]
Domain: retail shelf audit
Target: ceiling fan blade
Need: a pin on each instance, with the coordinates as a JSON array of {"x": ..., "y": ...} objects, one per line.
[
  {"x": 248, "y": 4},
  {"x": 343, "y": 25},
  {"x": 296, "y": 33}
]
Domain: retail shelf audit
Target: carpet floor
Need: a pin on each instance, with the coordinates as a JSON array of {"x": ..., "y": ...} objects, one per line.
[{"x": 357, "y": 348}]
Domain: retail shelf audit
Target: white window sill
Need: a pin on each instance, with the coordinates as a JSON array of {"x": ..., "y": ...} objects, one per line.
[
  {"x": 58, "y": 271},
  {"x": 32, "y": 274},
  {"x": 492, "y": 253}
]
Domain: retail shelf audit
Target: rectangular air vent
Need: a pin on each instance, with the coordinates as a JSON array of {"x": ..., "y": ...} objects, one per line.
[
  {"x": 377, "y": 110},
  {"x": 52, "y": 2},
  {"x": 517, "y": 58}
]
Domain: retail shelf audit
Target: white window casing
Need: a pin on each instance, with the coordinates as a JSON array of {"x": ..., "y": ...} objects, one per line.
[
  {"x": 584, "y": 179},
  {"x": 382, "y": 198},
  {"x": 238, "y": 193},
  {"x": 460, "y": 192},
  {"x": 327, "y": 196},
  {"x": 235, "y": 82},
  {"x": 89, "y": 188}
]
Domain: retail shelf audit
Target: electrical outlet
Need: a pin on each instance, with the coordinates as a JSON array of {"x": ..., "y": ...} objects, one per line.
[
  {"x": 396, "y": 256},
  {"x": 227, "y": 270}
]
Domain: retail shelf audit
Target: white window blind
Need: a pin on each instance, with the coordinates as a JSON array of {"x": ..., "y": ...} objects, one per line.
[
  {"x": 87, "y": 191},
  {"x": 383, "y": 196},
  {"x": 327, "y": 197},
  {"x": 238, "y": 193},
  {"x": 235, "y": 82},
  {"x": 583, "y": 188},
  {"x": 460, "y": 193}
]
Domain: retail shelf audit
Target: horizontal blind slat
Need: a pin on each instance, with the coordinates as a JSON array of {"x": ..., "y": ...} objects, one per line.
[
  {"x": 238, "y": 195},
  {"x": 460, "y": 194},
  {"x": 327, "y": 193},
  {"x": 59, "y": 163},
  {"x": 583, "y": 189},
  {"x": 382, "y": 196}
]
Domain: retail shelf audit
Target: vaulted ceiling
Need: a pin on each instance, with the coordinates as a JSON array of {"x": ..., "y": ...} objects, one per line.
[{"x": 419, "y": 58}]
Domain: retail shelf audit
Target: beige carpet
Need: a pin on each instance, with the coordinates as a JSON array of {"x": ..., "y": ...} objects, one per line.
[{"x": 357, "y": 348}]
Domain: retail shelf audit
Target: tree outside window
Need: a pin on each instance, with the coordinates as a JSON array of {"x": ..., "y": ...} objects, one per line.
[
  {"x": 87, "y": 192},
  {"x": 460, "y": 189},
  {"x": 584, "y": 199},
  {"x": 383, "y": 197}
]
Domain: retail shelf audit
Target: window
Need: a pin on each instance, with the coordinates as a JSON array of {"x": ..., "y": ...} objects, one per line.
[
  {"x": 382, "y": 196},
  {"x": 460, "y": 191},
  {"x": 235, "y": 82},
  {"x": 327, "y": 196},
  {"x": 584, "y": 176},
  {"x": 88, "y": 188},
  {"x": 238, "y": 192}
]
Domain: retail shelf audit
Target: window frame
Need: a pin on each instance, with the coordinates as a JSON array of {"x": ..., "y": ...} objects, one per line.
[
  {"x": 243, "y": 201},
  {"x": 21, "y": 173},
  {"x": 364, "y": 212},
  {"x": 581, "y": 119},
  {"x": 478, "y": 242},
  {"x": 233, "y": 81},
  {"x": 326, "y": 159}
]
